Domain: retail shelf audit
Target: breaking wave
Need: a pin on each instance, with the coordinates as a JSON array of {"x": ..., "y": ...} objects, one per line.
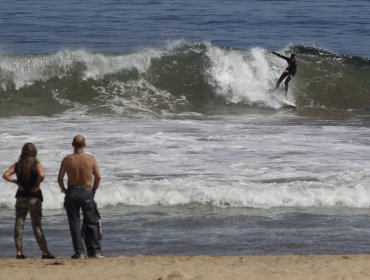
[{"x": 183, "y": 77}]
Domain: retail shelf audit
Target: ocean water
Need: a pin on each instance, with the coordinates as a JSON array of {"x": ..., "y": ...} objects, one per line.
[{"x": 174, "y": 98}]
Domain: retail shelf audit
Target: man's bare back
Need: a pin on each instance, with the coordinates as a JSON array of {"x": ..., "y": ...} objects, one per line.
[{"x": 80, "y": 168}]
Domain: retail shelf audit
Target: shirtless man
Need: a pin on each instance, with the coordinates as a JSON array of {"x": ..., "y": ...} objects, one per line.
[{"x": 80, "y": 169}]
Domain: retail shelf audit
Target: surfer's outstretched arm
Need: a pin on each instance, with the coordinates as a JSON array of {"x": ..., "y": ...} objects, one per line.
[{"x": 279, "y": 55}]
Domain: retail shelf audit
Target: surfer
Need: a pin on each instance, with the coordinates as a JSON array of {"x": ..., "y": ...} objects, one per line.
[{"x": 289, "y": 72}]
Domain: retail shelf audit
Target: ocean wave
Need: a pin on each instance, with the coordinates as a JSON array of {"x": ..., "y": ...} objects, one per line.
[
  {"x": 183, "y": 77},
  {"x": 341, "y": 191}
]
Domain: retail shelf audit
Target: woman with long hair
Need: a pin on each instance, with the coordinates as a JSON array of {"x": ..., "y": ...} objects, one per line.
[{"x": 29, "y": 175}]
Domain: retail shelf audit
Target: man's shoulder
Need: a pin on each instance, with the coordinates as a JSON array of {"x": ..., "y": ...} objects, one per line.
[
  {"x": 84, "y": 157},
  {"x": 67, "y": 157},
  {"x": 89, "y": 156}
]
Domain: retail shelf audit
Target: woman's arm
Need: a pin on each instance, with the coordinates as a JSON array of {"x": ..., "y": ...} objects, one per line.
[
  {"x": 8, "y": 174},
  {"x": 40, "y": 177}
]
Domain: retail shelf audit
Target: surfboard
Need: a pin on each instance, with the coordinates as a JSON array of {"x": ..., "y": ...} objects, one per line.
[{"x": 285, "y": 103}]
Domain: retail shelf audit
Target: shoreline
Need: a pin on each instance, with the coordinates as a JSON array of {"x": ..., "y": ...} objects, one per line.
[{"x": 191, "y": 267}]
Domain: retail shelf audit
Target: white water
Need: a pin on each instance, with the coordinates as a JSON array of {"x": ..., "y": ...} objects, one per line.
[
  {"x": 246, "y": 77},
  {"x": 259, "y": 161}
]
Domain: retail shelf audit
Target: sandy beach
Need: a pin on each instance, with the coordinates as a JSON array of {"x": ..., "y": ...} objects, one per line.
[{"x": 191, "y": 267}]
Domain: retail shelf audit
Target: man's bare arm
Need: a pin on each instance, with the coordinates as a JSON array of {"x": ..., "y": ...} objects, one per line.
[
  {"x": 62, "y": 172},
  {"x": 97, "y": 177}
]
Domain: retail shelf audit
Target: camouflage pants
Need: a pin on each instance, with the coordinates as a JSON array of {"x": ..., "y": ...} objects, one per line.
[{"x": 22, "y": 207}]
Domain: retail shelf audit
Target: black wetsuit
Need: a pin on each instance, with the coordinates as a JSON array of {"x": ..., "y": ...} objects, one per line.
[{"x": 289, "y": 71}]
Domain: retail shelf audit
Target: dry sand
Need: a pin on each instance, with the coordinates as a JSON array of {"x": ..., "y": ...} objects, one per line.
[{"x": 190, "y": 267}]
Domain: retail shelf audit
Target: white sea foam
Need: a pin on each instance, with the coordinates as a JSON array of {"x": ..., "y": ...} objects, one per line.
[
  {"x": 340, "y": 191},
  {"x": 245, "y": 76},
  {"x": 182, "y": 191},
  {"x": 251, "y": 162},
  {"x": 137, "y": 96}
]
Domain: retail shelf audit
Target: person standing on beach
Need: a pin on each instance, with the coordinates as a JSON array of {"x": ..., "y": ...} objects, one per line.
[
  {"x": 29, "y": 175},
  {"x": 289, "y": 72},
  {"x": 83, "y": 181}
]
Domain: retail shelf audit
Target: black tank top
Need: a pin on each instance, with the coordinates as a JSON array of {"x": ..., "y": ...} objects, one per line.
[{"x": 28, "y": 184}]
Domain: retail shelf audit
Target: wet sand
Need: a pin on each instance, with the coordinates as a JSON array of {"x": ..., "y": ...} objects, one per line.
[{"x": 190, "y": 267}]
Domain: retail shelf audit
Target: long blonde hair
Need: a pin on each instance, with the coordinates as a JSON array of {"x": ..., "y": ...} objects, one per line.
[{"x": 26, "y": 165}]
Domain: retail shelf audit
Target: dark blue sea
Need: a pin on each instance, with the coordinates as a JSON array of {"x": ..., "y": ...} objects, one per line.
[{"x": 198, "y": 155}]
